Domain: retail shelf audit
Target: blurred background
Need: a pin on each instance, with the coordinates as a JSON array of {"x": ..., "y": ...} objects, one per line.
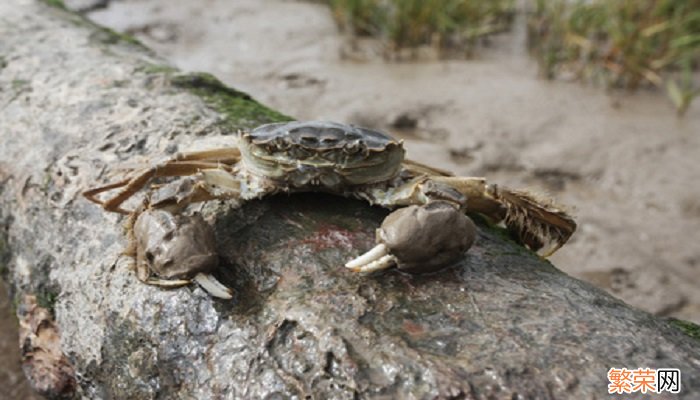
[{"x": 589, "y": 102}]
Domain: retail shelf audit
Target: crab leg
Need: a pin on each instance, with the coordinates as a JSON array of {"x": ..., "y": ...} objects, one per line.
[
  {"x": 207, "y": 281},
  {"x": 182, "y": 164},
  {"x": 421, "y": 169},
  {"x": 224, "y": 155},
  {"x": 167, "y": 283},
  {"x": 132, "y": 185},
  {"x": 538, "y": 223}
]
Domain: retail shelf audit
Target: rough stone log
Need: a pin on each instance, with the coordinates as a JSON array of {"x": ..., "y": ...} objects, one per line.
[{"x": 77, "y": 100}]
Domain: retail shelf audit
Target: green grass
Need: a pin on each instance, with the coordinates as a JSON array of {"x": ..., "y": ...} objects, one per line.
[
  {"x": 453, "y": 25},
  {"x": 621, "y": 43}
]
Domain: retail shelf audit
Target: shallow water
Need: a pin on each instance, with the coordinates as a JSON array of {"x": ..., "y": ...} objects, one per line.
[{"x": 623, "y": 163}]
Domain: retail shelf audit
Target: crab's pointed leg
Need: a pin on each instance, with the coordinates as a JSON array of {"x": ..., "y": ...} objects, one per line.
[
  {"x": 417, "y": 168},
  {"x": 225, "y": 155},
  {"x": 207, "y": 281},
  {"x": 92, "y": 193},
  {"x": 213, "y": 286},
  {"x": 538, "y": 223},
  {"x": 167, "y": 283},
  {"x": 134, "y": 184}
]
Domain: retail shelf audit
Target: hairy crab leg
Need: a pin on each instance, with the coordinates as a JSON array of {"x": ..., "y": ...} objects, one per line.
[{"x": 538, "y": 223}]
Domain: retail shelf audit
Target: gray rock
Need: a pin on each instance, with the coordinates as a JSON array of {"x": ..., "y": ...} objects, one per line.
[{"x": 77, "y": 100}]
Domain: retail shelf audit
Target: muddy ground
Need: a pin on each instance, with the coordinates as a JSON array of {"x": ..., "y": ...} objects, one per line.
[{"x": 624, "y": 164}]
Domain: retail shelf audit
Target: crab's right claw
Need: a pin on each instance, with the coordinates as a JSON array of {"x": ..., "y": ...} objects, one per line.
[
  {"x": 419, "y": 239},
  {"x": 212, "y": 286}
]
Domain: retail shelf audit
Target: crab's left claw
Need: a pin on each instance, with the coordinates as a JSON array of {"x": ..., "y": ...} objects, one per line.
[
  {"x": 419, "y": 239},
  {"x": 213, "y": 286}
]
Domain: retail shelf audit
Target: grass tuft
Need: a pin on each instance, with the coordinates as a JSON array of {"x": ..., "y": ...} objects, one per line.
[
  {"x": 621, "y": 43},
  {"x": 448, "y": 25}
]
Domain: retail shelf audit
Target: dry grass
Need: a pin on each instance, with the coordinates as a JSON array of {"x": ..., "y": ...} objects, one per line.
[
  {"x": 448, "y": 25},
  {"x": 621, "y": 43}
]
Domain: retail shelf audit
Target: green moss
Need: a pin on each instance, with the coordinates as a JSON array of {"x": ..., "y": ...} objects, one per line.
[
  {"x": 496, "y": 230},
  {"x": 241, "y": 111},
  {"x": 46, "y": 297},
  {"x": 687, "y": 327},
  {"x": 102, "y": 34},
  {"x": 108, "y": 36},
  {"x": 157, "y": 69},
  {"x": 19, "y": 83},
  {"x": 3, "y": 62},
  {"x": 56, "y": 3}
]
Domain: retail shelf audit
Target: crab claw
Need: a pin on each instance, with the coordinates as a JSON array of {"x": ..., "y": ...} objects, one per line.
[
  {"x": 374, "y": 260},
  {"x": 174, "y": 249},
  {"x": 419, "y": 239},
  {"x": 212, "y": 286}
]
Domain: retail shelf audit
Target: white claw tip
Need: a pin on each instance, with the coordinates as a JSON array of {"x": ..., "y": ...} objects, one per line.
[
  {"x": 374, "y": 254},
  {"x": 374, "y": 260},
  {"x": 213, "y": 286},
  {"x": 385, "y": 262}
]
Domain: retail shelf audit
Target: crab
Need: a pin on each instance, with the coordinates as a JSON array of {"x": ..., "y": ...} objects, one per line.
[{"x": 428, "y": 229}]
